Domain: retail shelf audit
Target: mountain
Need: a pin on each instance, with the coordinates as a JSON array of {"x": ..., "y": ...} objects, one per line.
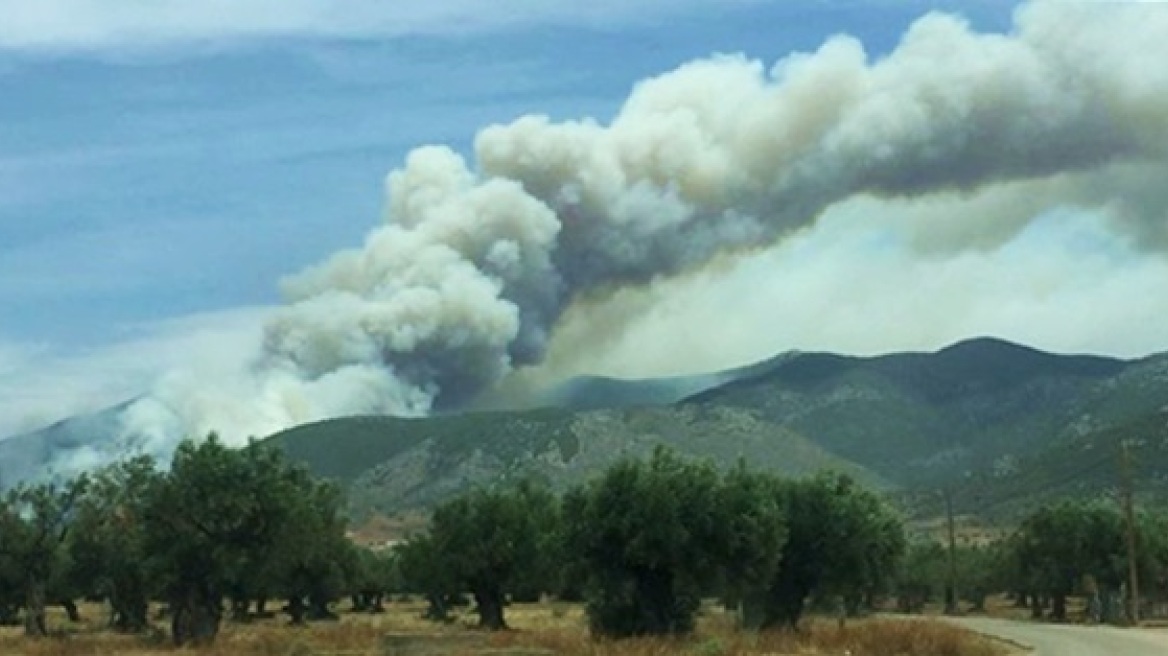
[
  {"x": 64, "y": 448},
  {"x": 392, "y": 465},
  {"x": 598, "y": 392},
  {"x": 918, "y": 418},
  {"x": 997, "y": 422},
  {"x": 91, "y": 440},
  {"x": 1086, "y": 465},
  {"x": 910, "y": 421}
]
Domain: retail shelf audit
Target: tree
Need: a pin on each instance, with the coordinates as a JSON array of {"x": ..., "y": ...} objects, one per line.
[
  {"x": 649, "y": 538},
  {"x": 424, "y": 571},
  {"x": 1061, "y": 544},
  {"x": 377, "y": 575},
  {"x": 33, "y": 524},
  {"x": 754, "y": 532},
  {"x": 10, "y": 585},
  {"x": 491, "y": 542},
  {"x": 842, "y": 541},
  {"x": 107, "y": 546},
  {"x": 923, "y": 573},
  {"x": 218, "y": 513},
  {"x": 921, "y": 576},
  {"x": 311, "y": 560}
]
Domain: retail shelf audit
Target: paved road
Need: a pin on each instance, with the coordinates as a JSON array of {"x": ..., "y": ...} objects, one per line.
[{"x": 1062, "y": 640}]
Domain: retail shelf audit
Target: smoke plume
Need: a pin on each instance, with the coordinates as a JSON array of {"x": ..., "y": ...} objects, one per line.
[{"x": 477, "y": 260}]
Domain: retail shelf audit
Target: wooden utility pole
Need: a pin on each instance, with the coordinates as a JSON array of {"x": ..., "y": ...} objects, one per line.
[
  {"x": 951, "y": 605},
  {"x": 1129, "y": 515}
]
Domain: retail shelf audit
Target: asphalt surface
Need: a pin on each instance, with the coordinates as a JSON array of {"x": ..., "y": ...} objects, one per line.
[{"x": 1064, "y": 640}]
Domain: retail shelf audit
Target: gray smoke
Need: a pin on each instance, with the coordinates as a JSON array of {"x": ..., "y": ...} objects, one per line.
[{"x": 477, "y": 260}]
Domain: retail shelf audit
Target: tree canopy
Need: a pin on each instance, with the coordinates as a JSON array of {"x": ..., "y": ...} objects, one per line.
[{"x": 642, "y": 543}]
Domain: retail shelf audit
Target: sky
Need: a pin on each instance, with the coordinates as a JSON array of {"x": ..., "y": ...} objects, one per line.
[{"x": 165, "y": 165}]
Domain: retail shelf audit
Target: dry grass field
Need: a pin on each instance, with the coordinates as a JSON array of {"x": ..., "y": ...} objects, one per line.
[{"x": 538, "y": 629}]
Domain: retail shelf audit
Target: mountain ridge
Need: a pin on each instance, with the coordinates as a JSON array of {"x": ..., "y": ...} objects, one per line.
[
  {"x": 897, "y": 421},
  {"x": 908, "y": 420}
]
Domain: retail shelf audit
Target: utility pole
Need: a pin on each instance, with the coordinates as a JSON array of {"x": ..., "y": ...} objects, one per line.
[
  {"x": 951, "y": 605},
  {"x": 1129, "y": 515}
]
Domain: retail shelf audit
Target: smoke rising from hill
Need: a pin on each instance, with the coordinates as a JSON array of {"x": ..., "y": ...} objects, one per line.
[{"x": 478, "y": 260}]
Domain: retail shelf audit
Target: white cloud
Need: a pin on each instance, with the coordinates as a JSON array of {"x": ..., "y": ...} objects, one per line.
[
  {"x": 131, "y": 24},
  {"x": 41, "y": 384}
]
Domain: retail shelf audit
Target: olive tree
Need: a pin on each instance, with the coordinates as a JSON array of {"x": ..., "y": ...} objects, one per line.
[
  {"x": 311, "y": 561},
  {"x": 218, "y": 513},
  {"x": 754, "y": 532},
  {"x": 488, "y": 542},
  {"x": 1059, "y": 545},
  {"x": 377, "y": 575},
  {"x": 107, "y": 546},
  {"x": 34, "y": 522},
  {"x": 424, "y": 571},
  {"x": 648, "y": 537},
  {"x": 842, "y": 541}
]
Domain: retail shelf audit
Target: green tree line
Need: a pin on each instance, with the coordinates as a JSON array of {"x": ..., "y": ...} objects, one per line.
[
  {"x": 222, "y": 533},
  {"x": 221, "y": 527},
  {"x": 646, "y": 541},
  {"x": 1069, "y": 548}
]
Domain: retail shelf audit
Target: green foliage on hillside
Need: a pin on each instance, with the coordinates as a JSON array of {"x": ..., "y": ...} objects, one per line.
[
  {"x": 919, "y": 419},
  {"x": 421, "y": 462},
  {"x": 1086, "y": 466},
  {"x": 1002, "y": 422}
]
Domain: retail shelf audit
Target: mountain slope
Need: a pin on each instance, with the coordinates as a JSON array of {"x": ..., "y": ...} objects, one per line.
[
  {"x": 919, "y": 418},
  {"x": 912, "y": 420},
  {"x": 62, "y": 449},
  {"x": 392, "y": 464},
  {"x": 975, "y": 412},
  {"x": 1084, "y": 466}
]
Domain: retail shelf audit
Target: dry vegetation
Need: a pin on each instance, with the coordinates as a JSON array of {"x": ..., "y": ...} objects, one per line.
[{"x": 538, "y": 629}]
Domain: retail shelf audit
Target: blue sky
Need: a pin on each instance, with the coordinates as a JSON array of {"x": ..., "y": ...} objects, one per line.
[
  {"x": 163, "y": 165},
  {"x": 138, "y": 183}
]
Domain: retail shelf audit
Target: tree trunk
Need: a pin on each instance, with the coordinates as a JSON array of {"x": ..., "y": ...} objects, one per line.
[
  {"x": 318, "y": 608},
  {"x": 1036, "y": 606},
  {"x": 239, "y": 610},
  {"x": 195, "y": 617},
  {"x": 296, "y": 610},
  {"x": 71, "y": 610},
  {"x": 753, "y": 611},
  {"x": 437, "y": 609},
  {"x": 662, "y": 610},
  {"x": 490, "y": 607},
  {"x": 130, "y": 608},
  {"x": 1058, "y": 607},
  {"x": 34, "y": 609},
  {"x": 785, "y": 602},
  {"x": 360, "y": 605}
]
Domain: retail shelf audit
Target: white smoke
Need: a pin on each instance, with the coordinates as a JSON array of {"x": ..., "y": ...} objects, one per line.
[{"x": 477, "y": 261}]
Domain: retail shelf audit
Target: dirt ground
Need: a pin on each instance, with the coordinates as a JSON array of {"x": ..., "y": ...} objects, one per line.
[{"x": 537, "y": 630}]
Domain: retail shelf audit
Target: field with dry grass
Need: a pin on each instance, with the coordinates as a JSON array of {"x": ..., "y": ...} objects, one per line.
[{"x": 537, "y": 629}]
